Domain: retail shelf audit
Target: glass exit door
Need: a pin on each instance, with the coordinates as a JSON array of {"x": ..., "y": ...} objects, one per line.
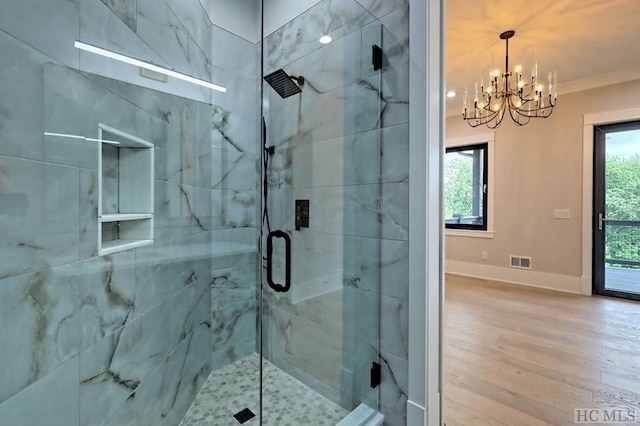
[{"x": 617, "y": 210}]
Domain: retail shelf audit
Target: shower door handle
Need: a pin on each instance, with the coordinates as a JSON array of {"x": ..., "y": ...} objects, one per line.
[{"x": 287, "y": 240}]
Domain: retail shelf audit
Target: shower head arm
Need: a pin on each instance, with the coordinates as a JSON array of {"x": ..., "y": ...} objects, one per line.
[{"x": 299, "y": 79}]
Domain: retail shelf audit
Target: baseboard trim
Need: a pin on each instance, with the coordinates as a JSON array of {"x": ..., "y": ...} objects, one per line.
[{"x": 564, "y": 283}]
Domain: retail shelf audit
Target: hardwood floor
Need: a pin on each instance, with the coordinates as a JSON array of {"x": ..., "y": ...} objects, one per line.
[{"x": 521, "y": 356}]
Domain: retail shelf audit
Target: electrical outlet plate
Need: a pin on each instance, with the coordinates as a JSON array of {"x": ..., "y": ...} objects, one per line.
[{"x": 562, "y": 214}]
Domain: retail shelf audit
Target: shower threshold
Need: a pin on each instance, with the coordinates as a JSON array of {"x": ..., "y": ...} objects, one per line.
[{"x": 287, "y": 401}]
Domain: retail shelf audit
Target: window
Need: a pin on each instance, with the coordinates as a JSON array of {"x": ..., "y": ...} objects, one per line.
[{"x": 466, "y": 186}]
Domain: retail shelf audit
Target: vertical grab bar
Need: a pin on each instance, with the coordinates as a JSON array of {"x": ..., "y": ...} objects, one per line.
[{"x": 279, "y": 287}]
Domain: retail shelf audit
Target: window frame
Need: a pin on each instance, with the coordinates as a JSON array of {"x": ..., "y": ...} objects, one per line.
[{"x": 486, "y": 230}]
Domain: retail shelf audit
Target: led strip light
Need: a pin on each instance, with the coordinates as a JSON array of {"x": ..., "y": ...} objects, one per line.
[{"x": 145, "y": 65}]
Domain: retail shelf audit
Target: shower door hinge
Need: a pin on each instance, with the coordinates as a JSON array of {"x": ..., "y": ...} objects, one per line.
[
  {"x": 376, "y": 375},
  {"x": 376, "y": 57}
]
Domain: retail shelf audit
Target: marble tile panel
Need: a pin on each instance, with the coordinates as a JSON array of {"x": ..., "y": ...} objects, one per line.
[
  {"x": 351, "y": 160},
  {"x": 361, "y": 315},
  {"x": 40, "y": 215},
  {"x": 235, "y": 54},
  {"x": 318, "y": 349},
  {"x": 234, "y": 120},
  {"x": 158, "y": 277},
  {"x": 232, "y": 353},
  {"x": 300, "y": 36},
  {"x": 125, "y": 10},
  {"x": 190, "y": 116},
  {"x": 395, "y": 154},
  {"x": 395, "y": 382},
  {"x": 331, "y": 66},
  {"x": 355, "y": 210},
  {"x": 348, "y": 160},
  {"x": 181, "y": 406},
  {"x": 110, "y": 183},
  {"x": 102, "y": 392},
  {"x": 281, "y": 209},
  {"x": 184, "y": 401},
  {"x": 195, "y": 20},
  {"x": 22, "y": 87},
  {"x": 197, "y": 361},
  {"x": 54, "y": 398},
  {"x": 143, "y": 345},
  {"x": 232, "y": 248},
  {"x": 358, "y": 356},
  {"x": 180, "y": 210},
  {"x": 183, "y": 160},
  {"x": 347, "y": 110},
  {"x": 189, "y": 307},
  {"x": 239, "y": 208},
  {"x": 125, "y": 415},
  {"x": 51, "y": 27},
  {"x": 362, "y": 158},
  {"x": 380, "y": 8},
  {"x": 65, "y": 310},
  {"x": 362, "y": 263},
  {"x": 100, "y": 27},
  {"x": 315, "y": 256},
  {"x": 75, "y": 105},
  {"x": 394, "y": 268},
  {"x": 164, "y": 269},
  {"x": 396, "y": 36},
  {"x": 394, "y": 330},
  {"x": 323, "y": 309},
  {"x": 88, "y": 231},
  {"x": 193, "y": 254},
  {"x": 234, "y": 170},
  {"x": 234, "y": 286},
  {"x": 394, "y": 95},
  {"x": 160, "y": 28},
  {"x": 395, "y": 211},
  {"x": 20, "y": 323},
  {"x": 233, "y": 305},
  {"x": 157, "y": 393}
]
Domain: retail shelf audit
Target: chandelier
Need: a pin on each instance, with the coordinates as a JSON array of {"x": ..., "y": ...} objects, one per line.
[{"x": 523, "y": 99}]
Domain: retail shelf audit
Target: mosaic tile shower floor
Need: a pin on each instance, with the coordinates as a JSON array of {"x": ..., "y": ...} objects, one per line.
[{"x": 287, "y": 401}]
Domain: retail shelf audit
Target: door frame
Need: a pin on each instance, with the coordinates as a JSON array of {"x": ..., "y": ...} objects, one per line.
[{"x": 590, "y": 121}]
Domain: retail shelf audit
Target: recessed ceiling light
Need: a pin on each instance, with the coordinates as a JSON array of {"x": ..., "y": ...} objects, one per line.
[
  {"x": 325, "y": 39},
  {"x": 451, "y": 94}
]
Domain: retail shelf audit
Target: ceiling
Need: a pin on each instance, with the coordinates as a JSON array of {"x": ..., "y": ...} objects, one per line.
[{"x": 589, "y": 43}]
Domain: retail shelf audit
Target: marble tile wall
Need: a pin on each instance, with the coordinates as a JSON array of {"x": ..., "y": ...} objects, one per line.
[
  {"x": 123, "y": 339},
  {"x": 329, "y": 150}
]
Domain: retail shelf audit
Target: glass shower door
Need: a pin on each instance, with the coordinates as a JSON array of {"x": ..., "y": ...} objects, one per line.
[{"x": 322, "y": 219}]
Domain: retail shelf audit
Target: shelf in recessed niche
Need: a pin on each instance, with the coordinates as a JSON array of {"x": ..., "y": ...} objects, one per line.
[
  {"x": 125, "y": 191},
  {"x": 124, "y": 217}
]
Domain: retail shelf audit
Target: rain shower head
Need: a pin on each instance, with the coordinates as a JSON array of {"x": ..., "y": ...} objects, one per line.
[{"x": 284, "y": 84}]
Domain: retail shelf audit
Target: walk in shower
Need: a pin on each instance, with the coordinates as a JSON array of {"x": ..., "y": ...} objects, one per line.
[{"x": 203, "y": 212}]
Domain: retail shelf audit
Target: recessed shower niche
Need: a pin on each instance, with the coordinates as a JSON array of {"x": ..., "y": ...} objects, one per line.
[{"x": 125, "y": 191}]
